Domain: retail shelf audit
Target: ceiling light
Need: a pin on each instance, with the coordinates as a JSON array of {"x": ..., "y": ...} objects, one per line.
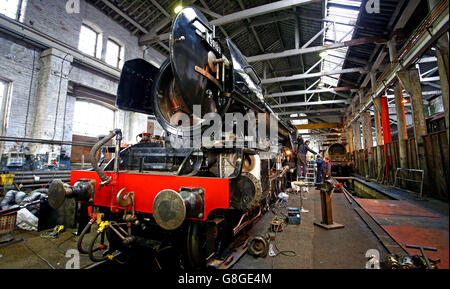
[
  {"x": 323, "y": 54},
  {"x": 177, "y": 9}
]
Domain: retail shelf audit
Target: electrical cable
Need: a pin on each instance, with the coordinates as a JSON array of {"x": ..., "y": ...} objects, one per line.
[
  {"x": 65, "y": 110},
  {"x": 276, "y": 210},
  {"x": 37, "y": 254},
  {"x": 59, "y": 95},
  {"x": 292, "y": 253},
  {"x": 29, "y": 92},
  {"x": 287, "y": 253}
]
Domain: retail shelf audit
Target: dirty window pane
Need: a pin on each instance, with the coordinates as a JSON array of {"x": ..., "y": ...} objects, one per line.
[
  {"x": 112, "y": 53},
  {"x": 10, "y": 8},
  {"x": 88, "y": 40},
  {"x": 2, "y": 90}
]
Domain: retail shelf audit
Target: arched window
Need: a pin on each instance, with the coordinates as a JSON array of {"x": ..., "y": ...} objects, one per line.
[
  {"x": 90, "y": 41},
  {"x": 11, "y": 8},
  {"x": 114, "y": 53},
  {"x": 92, "y": 119}
]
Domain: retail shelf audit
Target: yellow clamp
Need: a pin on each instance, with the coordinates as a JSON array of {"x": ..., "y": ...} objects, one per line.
[
  {"x": 99, "y": 217},
  {"x": 110, "y": 257},
  {"x": 58, "y": 229},
  {"x": 102, "y": 226}
]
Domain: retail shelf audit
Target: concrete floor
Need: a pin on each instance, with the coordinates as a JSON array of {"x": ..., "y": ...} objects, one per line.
[
  {"x": 20, "y": 255},
  {"x": 315, "y": 247}
]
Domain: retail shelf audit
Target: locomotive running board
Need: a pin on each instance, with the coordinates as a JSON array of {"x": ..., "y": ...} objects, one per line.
[{"x": 238, "y": 248}]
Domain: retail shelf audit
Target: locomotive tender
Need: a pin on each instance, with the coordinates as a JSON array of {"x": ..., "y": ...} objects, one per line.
[{"x": 192, "y": 192}]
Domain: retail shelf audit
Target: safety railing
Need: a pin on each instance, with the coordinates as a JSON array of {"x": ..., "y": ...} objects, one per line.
[{"x": 411, "y": 180}]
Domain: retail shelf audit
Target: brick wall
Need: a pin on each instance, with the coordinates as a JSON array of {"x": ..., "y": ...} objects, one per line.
[{"x": 16, "y": 62}]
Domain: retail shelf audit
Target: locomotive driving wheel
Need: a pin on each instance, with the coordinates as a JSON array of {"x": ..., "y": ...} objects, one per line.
[
  {"x": 204, "y": 240},
  {"x": 195, "y": 245}
]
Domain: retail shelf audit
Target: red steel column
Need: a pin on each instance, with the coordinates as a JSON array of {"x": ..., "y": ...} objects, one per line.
[
  {"x": 387, "y": 137},
  {"x": 385, "y": 120}
]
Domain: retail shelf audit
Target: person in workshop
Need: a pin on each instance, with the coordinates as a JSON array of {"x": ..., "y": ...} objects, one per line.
[
  {"x": 303, "y": 149},
  {"x": 319, "y": 163},
  {"x": 299, "y": 140},
  {"x": 326, "y": 169}
]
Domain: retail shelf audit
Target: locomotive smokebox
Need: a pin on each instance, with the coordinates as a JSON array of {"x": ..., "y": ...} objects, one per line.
[{"x": 171, "y": 208}]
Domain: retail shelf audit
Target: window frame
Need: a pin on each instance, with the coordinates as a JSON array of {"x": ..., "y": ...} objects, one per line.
[
  {"x": 96, "y": 102},
  {"x": 98, "y": 42},
  {"x": 119, "y": 54},
  {"x": 4, "y": 104},
  {"x": 18, "y": 11}
]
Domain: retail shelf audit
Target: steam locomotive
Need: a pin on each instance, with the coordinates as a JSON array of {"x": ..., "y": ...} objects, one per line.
[
  {"x": 342, "y": 166},
  {"x": 193, "y": 193}
]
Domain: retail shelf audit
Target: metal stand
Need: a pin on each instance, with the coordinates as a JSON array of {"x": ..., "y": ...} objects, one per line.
[
  {"x": 297, "y": 186},
  {"x": 327, "y": 214}
]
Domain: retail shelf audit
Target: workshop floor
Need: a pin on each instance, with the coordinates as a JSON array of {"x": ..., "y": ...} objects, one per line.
[
  {"x": 315, "y": 247},
  {"x": 52, "y": 252}
]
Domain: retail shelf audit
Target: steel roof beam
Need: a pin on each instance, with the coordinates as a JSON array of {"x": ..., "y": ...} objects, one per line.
[
  {"x": 160, "y": 8},
  {"x": 316, "y": 116},
  {"x": 301, "y": 92},
  {"x": 292, "y": 52},
  {"x": 237, "y": 16},
  {"x": 323, "y": 102},
  {"x": 259, "y": 10},
  {"x": 121, "y": 13},
  {"x": 312, "y": 111},
  {"x": 417, "y": 45},
  {"x": 312, "y": 75},
  {"x": 261, "y": 21}
]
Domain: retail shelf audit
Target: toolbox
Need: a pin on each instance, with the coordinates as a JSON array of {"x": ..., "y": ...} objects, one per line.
[{"x": 293, "y": 215}]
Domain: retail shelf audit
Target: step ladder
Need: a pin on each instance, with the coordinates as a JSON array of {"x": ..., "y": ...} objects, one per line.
[{"x": 310, "y": 178}]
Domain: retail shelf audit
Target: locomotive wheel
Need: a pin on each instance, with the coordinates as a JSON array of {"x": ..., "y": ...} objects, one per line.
[{"x": 195, "y": 245}]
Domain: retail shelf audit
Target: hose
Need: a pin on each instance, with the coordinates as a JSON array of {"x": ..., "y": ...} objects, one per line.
[
  {"x": 105, "y": 180},
  {"x": 103, "y": 248},
  {"x": 86, "y": 230}
]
